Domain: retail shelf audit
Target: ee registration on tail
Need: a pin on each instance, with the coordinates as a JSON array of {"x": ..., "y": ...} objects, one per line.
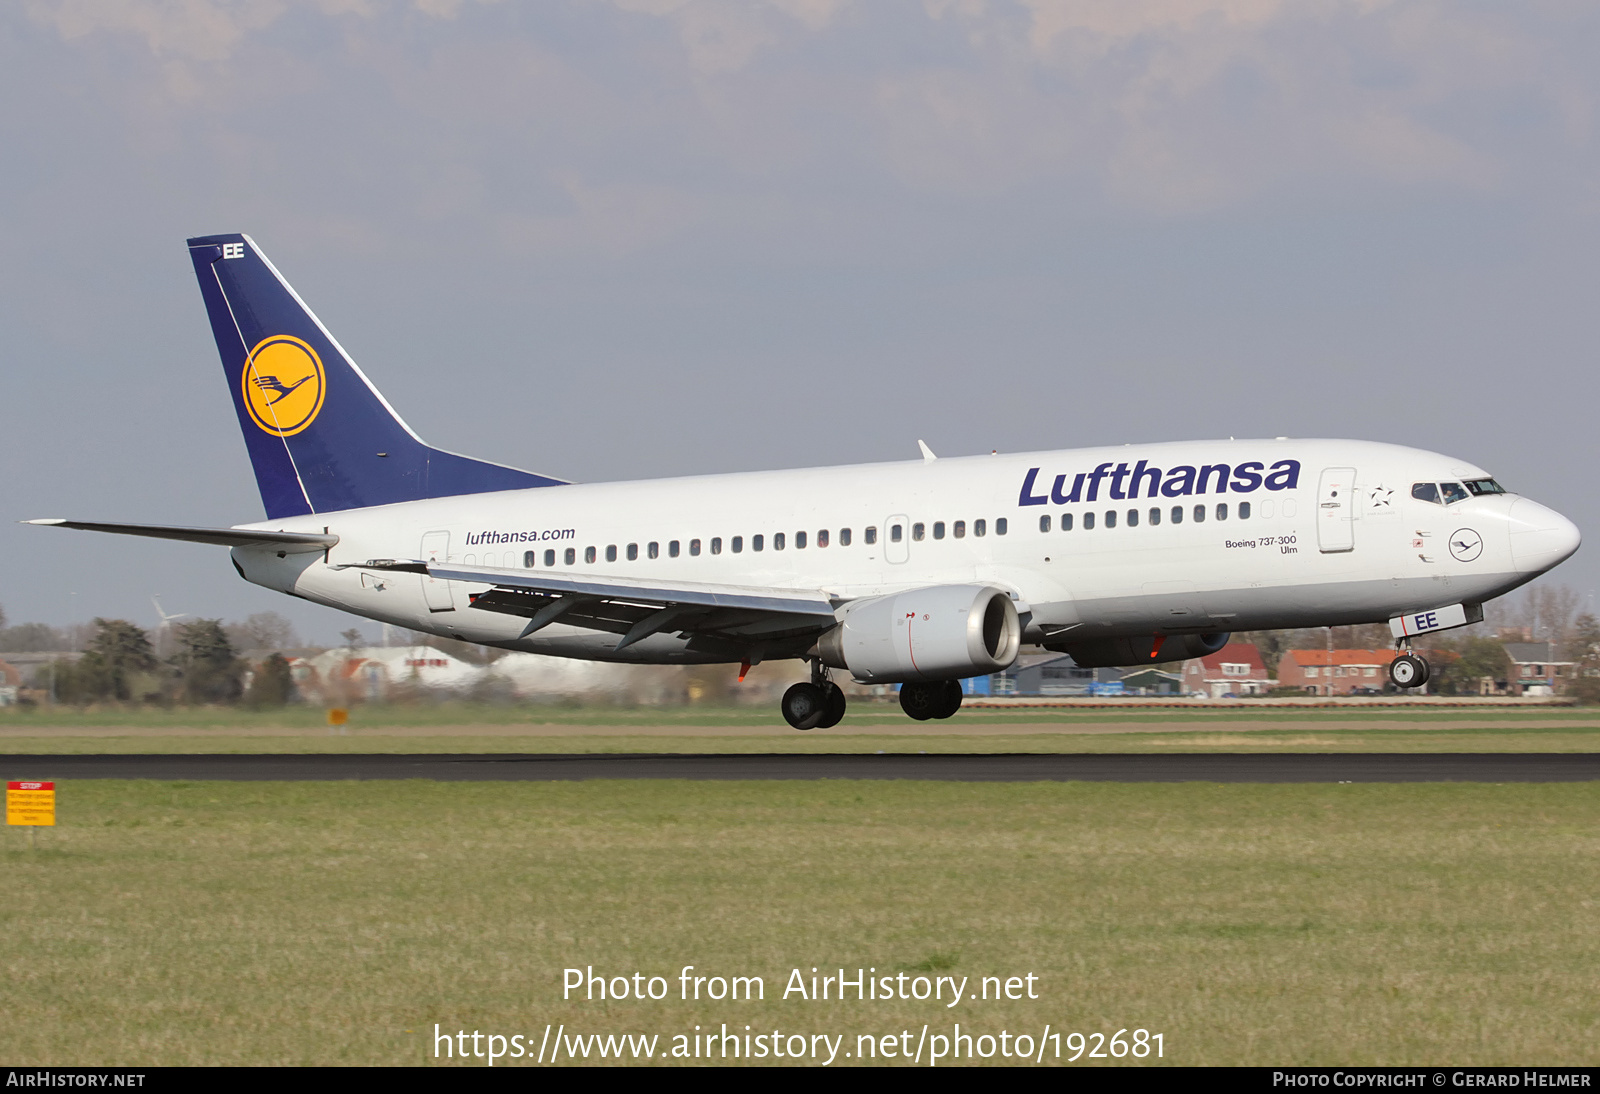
[{"x": 919, "y": 573}]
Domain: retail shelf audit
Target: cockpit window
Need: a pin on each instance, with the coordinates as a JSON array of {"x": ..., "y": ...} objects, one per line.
[
  {"x": 1479, "y": 487},
  {"x": 1453, "y": 492},
  {"x": 1425, "y": 491}
]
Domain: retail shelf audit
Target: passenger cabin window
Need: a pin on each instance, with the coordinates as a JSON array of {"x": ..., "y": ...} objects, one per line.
[
  {"x": 1044, "y": 523},
  {"x": 799, "y": 541},
  {"x": 694, "y": 547},
  {"x": 1244, "y": 510},
  {"x": 1133, "y": 518},
  {"x": 822, "y": 537},
  {"x": 1199, "y": 514},
  {"x": 1066, "y": 522},
  {"x": 736, "y": 544},
  {"x": 654, "y": 550},
  {"x": 1088, "y": 522},
  {"x": 980, "y": 527},
  {"x": 844, "y": 537},
  {"x": 672, "y": 549},
  {"x": 1155, "y": 515},
  {"x": 1177, "y": 514},
  {"x": 588, "y": 554},
  {"x": 871, "y": 534},
  {"x": 758, "y": 543},
  {"x": 716, "y": 545},
  {"x": 918, "y": 531},
  {"x": 896, "y": 533},
  {"x": 777, "y": 541},
  {"x": 1453, "y": 492},
  {"x": 550, "y": 557},
  {"x": 1425, "y": 491},
  {"x": 1479, "y": 487},
  {"x": 938, "y": 529},
  {"x": 1222, "y": 510},
  {"x": 611, "y": 552},
  {"x": 1000, "y": 526},
  {"x": 633, "y": 552},
  {"x": 571, "y": 556},
  {"x": 1111, "y": 518},
  {"x": 530, "y": 558},
  {"x": 959, "y": 529}
]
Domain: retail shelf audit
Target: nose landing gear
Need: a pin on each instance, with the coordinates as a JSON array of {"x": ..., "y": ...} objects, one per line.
[{"x": 1408, "y": 670}]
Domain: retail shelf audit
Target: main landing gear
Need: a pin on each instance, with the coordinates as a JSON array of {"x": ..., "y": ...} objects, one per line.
[
  {"x": 1408, "y": 670},
  {"x": 820, "y": 703},
  {"x": 937, "y": 699},
  {"x": 816, "y": 705}
]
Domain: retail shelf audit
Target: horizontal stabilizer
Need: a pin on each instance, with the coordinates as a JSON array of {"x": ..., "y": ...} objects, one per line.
[{"x": 290, "y": 542}]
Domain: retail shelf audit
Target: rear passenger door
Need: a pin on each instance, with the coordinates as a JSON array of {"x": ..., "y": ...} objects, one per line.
[{"x": 436, "y": 552}]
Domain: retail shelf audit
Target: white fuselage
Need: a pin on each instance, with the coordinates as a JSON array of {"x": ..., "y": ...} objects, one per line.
[{"x": 1301, "y": 557}]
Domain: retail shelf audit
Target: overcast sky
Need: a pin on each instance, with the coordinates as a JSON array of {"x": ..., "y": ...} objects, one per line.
[{"x": 626, "y": 239}]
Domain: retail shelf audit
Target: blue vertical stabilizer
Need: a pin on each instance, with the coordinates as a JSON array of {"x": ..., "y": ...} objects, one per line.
[{"x": 320, "y": 436}]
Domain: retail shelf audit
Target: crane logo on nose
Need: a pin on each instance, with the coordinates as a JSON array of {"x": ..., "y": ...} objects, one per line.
[{"x": 1465, "y": 545}]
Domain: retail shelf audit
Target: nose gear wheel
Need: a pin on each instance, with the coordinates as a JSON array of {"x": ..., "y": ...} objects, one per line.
[{"x": 1409, "y": 671}]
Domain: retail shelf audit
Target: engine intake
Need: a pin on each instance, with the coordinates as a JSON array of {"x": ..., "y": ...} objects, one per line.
[
  {"x": 943, "y": 632},
  {"x": 1143, "y": 650}
]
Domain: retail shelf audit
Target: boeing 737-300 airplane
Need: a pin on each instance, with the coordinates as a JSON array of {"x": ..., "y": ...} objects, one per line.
[{"x": 919, "y": 573}]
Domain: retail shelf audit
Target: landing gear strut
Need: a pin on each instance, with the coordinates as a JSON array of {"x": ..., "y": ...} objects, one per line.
[
  {"x": 1408, "y": 670},
  {"x": 937, "y": 699},
  {"x": 819, "y": 704}
]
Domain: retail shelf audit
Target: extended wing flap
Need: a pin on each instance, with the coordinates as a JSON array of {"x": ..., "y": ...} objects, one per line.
[
  {"x": 289, "y": 542},
  {"x": 625, "y": 590},
  {"x": 636, "y": 609}
]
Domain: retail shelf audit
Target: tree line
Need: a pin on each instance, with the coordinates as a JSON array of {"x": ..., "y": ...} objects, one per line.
[{"x": 120, "y": 663}]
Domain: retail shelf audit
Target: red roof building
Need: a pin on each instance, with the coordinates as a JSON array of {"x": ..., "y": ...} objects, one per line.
[
  {"x": 1235, "y": 669},
  {"x": 1346, "y": 672}
]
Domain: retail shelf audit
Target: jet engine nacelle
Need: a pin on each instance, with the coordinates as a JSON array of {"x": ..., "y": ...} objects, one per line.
[
  {"x": 943, "y": 632},
  {"x": 1106, "y": 652}
]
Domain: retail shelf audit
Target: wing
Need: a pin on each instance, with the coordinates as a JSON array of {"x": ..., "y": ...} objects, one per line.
[
  {"x": 290, "y": 542},
  {"x": 730, "y": 619}
]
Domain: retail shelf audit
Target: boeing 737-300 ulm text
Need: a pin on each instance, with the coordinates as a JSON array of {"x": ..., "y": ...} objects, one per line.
[{"x": 918, "y": 573}]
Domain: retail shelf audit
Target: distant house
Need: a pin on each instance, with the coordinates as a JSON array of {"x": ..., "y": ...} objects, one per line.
[
  {"x": 1235, "y": 669},
  {"x": 342, "y": 675},
  {"x": 1055, "y": 674},
  {"x": 1341, "y": 672},
  {"x": 1152, "y": 681},
  {"x": 1534, "y": 668},
  {"x": 10, "y": 683}
]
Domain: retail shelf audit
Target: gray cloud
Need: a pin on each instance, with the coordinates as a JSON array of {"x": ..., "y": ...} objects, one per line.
[{"x": 571, "y": 235}]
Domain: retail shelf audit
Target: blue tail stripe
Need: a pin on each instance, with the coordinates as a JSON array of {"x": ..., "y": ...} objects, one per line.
[{"x": 318, "y": 442}]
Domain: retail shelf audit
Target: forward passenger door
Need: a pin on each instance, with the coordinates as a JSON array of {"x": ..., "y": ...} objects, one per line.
[{"x": 1336, "y": 510}]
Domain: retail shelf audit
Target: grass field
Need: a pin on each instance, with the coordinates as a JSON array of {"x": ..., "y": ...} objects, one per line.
[
  {"x": 468, "y": 728},
  {"x": 334, "y": 922}
]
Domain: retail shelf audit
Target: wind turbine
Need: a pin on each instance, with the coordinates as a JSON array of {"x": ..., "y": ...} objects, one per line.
[{"x": 162, "y": 628}]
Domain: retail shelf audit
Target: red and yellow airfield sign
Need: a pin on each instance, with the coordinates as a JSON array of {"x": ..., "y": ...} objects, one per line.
[{"x": 31, "y": 803}]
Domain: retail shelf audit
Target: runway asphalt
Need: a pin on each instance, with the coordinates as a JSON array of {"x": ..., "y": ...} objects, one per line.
[{"x": 1497, "y": 767}]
